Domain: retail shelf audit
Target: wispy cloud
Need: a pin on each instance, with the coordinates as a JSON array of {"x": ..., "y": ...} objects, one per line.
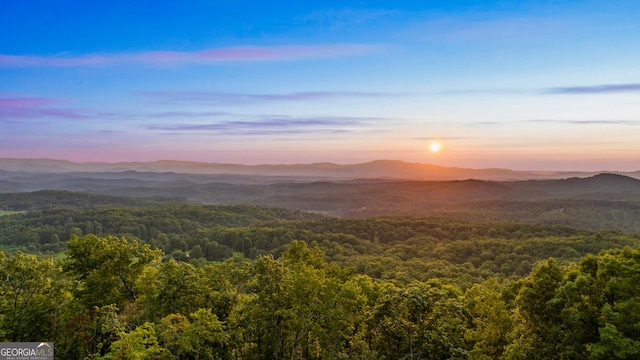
[
  {"x": 595, "y": 89},
  {"x": 113, "y": 132},
  {"x": 560, "y": 90},
  {"x": 188, "y": 114},
  {"x": 203, "y": 57},
  {"x": 22, "y": 111},
  {"x": 25, "y": 103},
  {"x": 223, "y": 98},
  {"x": 586, "y": 122},
  {"x": 270, "y": 125},
  {"x": 14, "y": 107}
]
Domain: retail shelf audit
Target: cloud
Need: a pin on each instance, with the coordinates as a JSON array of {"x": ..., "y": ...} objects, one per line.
[
  {"x": 563, "y": 90},
  {"x": 596, "y": 89},
  {"x": 112, "y": 132},
  {"x": 225, "y": 98},
  {"x": 26, "y": 103},
  {"x": 203, "y": 57},
  {"x": 188, "y": 114},
  {"x": 23, "y": 111},
  {"x": 13, "y": 106},
  {"x": 43, "y": 113},
  {"x": 270, "y": 125},
  {"x": 586, "y": 122}
]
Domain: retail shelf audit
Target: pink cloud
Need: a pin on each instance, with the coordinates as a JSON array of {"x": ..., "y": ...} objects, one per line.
[
  {"x": 33, "y": 113},
  {"x": 210, "y": 56},
  {"x": 13, "y": 106}
]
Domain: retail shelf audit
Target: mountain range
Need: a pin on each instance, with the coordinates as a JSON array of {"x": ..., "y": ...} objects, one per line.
[
  {"x": 380, "y": 188},
  {"x": 379, "y": 169}
]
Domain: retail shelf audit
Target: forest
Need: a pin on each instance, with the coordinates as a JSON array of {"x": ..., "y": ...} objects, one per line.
[{"x": 151, "y": 279}]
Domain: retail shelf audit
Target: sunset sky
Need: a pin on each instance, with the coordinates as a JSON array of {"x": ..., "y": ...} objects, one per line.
[{"x": 526, "y": 85}]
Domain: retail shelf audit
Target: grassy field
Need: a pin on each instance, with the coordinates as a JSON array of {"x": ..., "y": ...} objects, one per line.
[{"x": 7, "y": 212}]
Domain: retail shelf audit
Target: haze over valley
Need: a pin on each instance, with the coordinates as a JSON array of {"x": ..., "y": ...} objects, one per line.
[{"x": 381, "y": 188}]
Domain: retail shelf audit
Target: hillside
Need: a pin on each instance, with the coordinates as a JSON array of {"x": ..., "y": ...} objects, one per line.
[{"x": 604, "y": 201}]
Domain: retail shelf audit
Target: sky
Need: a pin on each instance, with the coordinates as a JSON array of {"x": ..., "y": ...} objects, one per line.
[{"x": 526, "y": 85}]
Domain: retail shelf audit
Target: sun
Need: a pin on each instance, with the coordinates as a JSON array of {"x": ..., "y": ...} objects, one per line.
[{"x": 435, "y": 147}]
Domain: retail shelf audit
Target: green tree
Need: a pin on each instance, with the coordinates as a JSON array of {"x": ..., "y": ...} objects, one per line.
[
  {"x": 421, "y": 321},
  {"x": 539, "y": 333},
  {"x": 492, "y": 320},
  {"x": 617, "y": 277},
  {"x": 200, "y": 336},
  {"x": 586, "y": 310},
  {"x": 105, "y": 269},
  {"x": 288, "y": 303},
  {"x": 139, "y": 344},
  {"x": 32, "y": 296}
]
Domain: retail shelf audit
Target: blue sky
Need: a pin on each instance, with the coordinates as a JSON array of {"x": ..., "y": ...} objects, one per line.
[{"x": 529, "y": 85}]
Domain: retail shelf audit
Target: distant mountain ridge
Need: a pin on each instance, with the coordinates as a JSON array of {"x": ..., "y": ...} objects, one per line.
[
  {"x": 603, "y": 201},
  {"x": 379, "y": 169},
  {"x": 379, "y": 188}
]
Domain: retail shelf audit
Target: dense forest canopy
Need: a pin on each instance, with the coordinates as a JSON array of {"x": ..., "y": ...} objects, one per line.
[
  {"x": 392, "y": 248},
  {"x": 113, "y": 298},
  {"x": 150, "y": 279}
]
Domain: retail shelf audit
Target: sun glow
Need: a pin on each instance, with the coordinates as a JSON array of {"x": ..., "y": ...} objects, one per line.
[{"x": 435, "y": 147}]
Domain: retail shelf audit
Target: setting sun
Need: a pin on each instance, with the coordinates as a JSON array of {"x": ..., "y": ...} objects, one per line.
[{"x": 435, "y": 147}]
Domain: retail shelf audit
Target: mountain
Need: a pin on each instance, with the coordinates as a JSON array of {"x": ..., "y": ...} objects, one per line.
[
  {"x": 379, "y": 188},
  {"x": 380, "y": 169}
]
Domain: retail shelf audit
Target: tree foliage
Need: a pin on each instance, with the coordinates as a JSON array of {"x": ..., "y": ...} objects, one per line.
[{"x": 304, "y": 287}]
